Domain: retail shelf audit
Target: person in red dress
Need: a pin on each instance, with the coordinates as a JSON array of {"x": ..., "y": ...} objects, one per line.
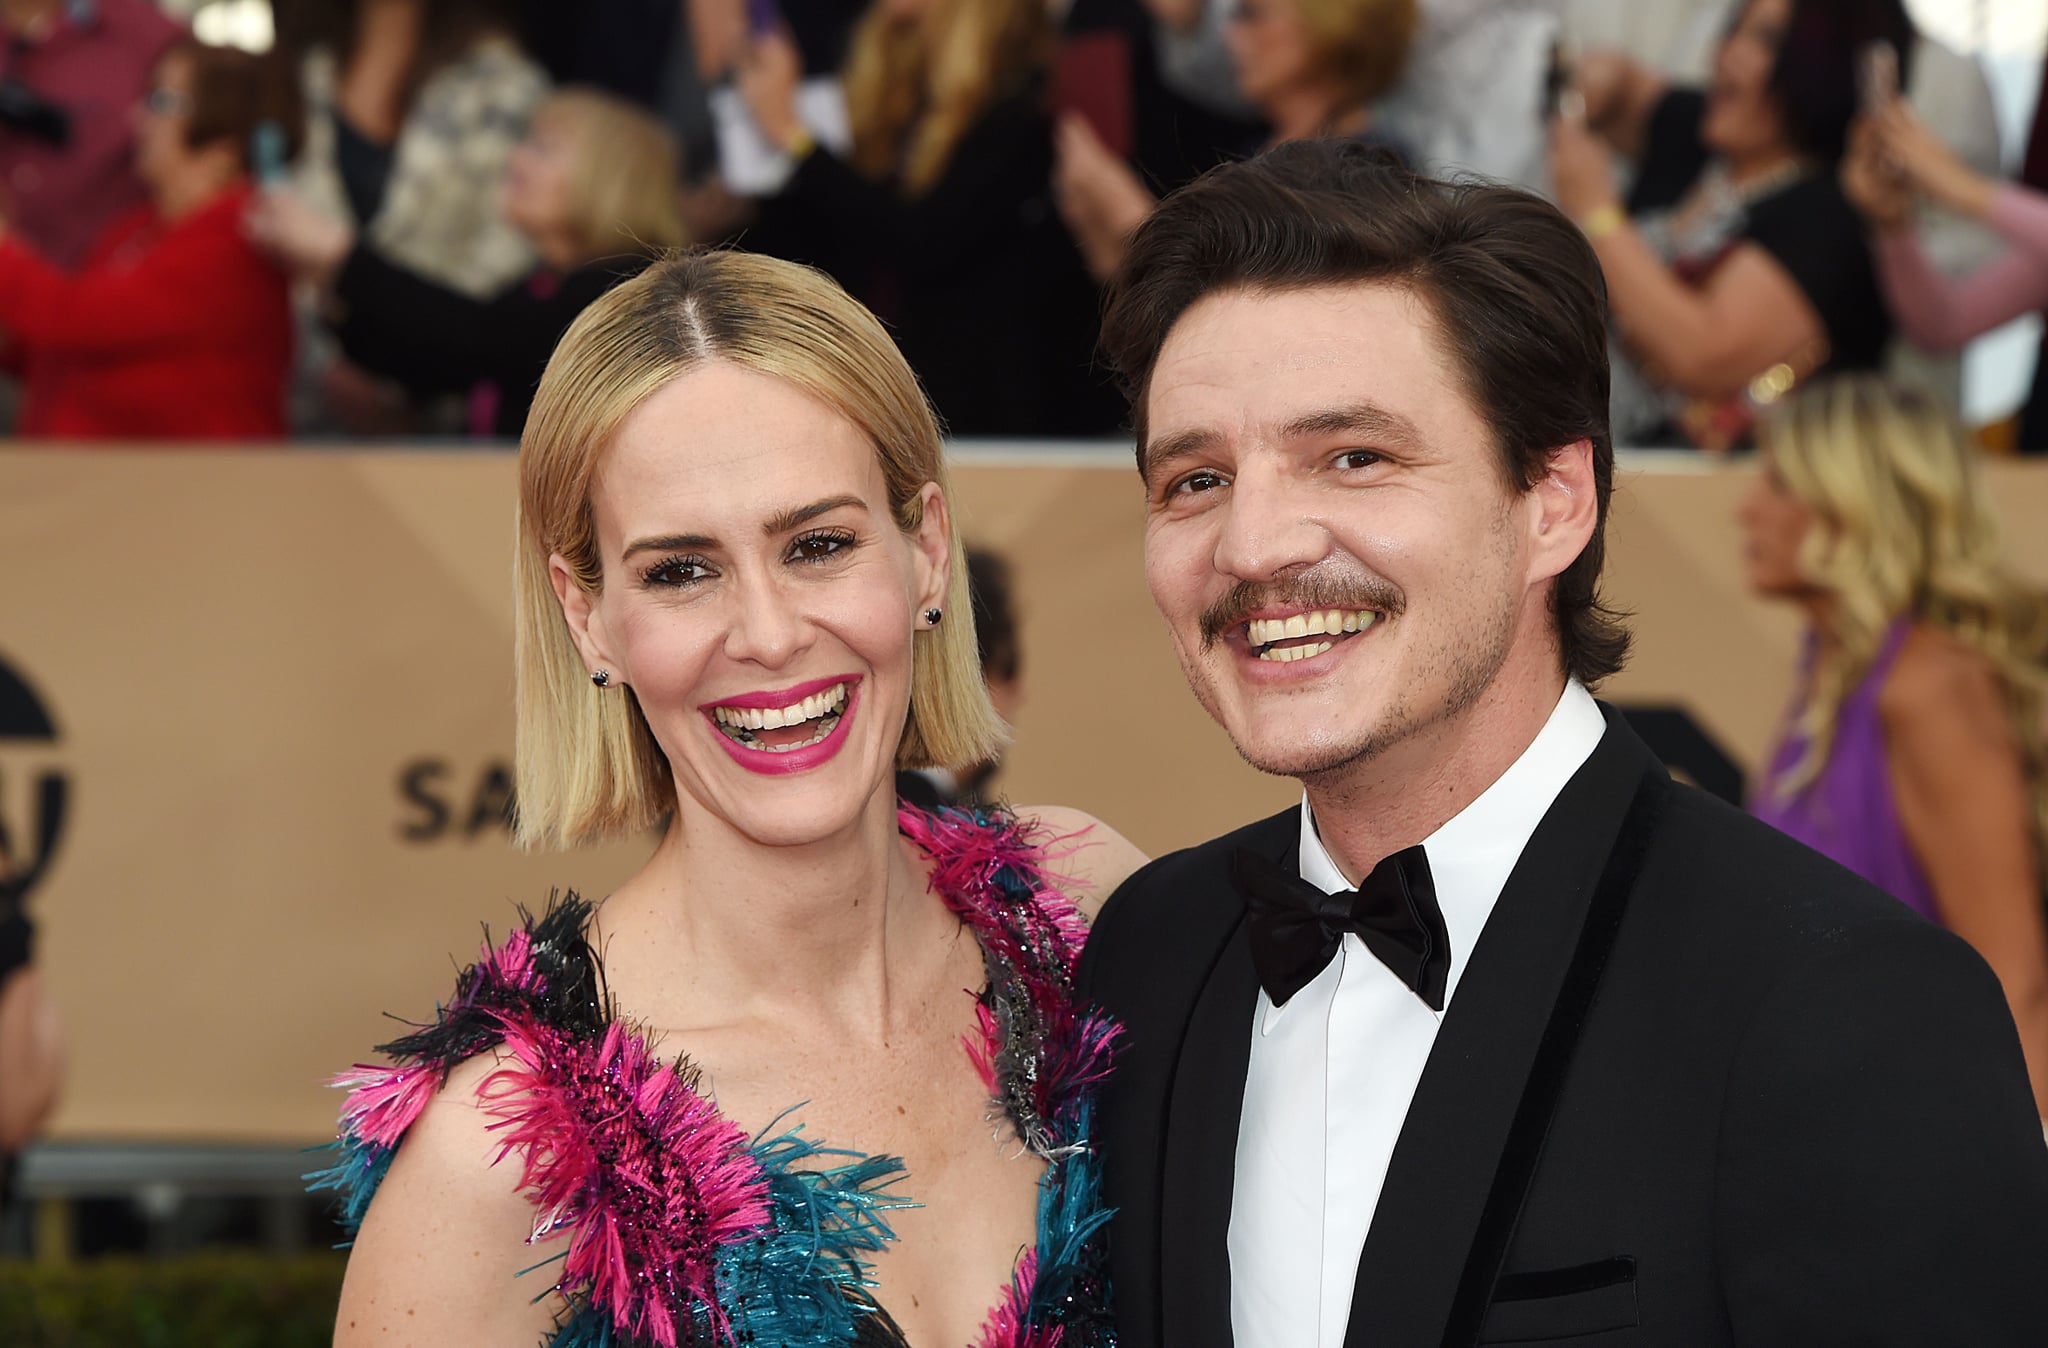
[{"x": 175, "y": 326}]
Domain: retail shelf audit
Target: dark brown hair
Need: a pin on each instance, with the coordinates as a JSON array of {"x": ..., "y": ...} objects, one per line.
[
  {"x": 1516, "y": 291},
  {"x": 234, "y": 92},
  {"x": 1815, "y": 81}
]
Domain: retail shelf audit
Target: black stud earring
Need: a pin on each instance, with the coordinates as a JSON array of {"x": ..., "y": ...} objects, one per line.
[
  {"x": 603, "y": 678},
  {"x": 932, "y": 616}
]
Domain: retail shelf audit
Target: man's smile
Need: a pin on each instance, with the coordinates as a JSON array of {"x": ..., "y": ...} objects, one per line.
[{"x": 1300, "y": 636}]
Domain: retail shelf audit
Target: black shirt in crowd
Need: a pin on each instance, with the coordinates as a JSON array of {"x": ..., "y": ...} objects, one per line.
[
  {"x": 1808, "y": 226},
  {"x": 976, "y": 276},
  {"x": 435, "y": 340}
]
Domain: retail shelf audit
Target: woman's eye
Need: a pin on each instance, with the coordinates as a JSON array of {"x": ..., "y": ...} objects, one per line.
[
  {"x": 1196, "y": 482},
  {"x": 818, "y": 547},
  {"x": 677, "y": 571}
]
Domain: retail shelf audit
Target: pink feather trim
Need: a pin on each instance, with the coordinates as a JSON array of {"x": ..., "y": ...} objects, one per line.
[
  {"x": 384, "y": 1101},
  {"x": 649, "y": 1181},
  {"x": 1008, "y": 1324},
  {"x": 966, "y": 854}
]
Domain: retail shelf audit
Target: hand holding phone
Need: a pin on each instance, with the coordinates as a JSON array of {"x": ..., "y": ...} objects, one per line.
[
  {"x": 267, "y": 154},
  {"x": 1877, "y": 76},
  {"x": 1561, "y": 95}
]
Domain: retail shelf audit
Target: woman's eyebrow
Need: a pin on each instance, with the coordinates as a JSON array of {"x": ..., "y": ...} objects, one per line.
[
  {"x": 798, "y": 516},
  {"x": 779, "y": 523}
]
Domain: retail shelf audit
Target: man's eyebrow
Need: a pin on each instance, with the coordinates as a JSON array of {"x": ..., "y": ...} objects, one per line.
[
  {"x": 779, "y": 523},
  {"x": 1172, "y": 448},
  {"x": 1363, "y": 418}
]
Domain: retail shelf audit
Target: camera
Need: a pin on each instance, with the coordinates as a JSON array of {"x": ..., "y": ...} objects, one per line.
[{"x": 24, "y": 110}]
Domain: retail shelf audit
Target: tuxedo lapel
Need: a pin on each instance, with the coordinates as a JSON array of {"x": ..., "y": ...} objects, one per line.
[
  {"x": 1463, "y": 1117},
  {"x": 1200, "y": 1162}
]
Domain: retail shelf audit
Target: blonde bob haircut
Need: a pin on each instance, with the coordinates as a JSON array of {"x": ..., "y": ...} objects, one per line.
[
  {"x": 587, "y": 766},
  {"x": 1362, "y": 44},
  {"x": 1902, "y": 529},
  {"x": 625, "y": 190}
]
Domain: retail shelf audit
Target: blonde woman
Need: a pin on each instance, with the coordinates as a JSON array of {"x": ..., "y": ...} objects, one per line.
[
  {"x": 1914, "y": 754},
  {"x": 941, "y": 213},
  {"x": 1312, "y": 68},
  {"x": 593, "y": 187},
  {"x": 766, "y": 1118}
]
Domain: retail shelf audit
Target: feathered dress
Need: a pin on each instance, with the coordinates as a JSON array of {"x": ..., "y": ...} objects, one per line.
[{"x": 677, "y": 1228}]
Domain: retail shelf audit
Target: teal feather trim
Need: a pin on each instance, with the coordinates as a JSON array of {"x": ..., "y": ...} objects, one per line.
[
  {"x": 804, "y": 1280},
  {"x": 358, "y": 1169}
]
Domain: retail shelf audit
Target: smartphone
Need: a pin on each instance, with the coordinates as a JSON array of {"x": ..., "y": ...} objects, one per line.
[
  {"x": 1557, "y": 80},
  {"x": 1091, "y": 77},
  {"x": 763, "y": 16},
  {"x": 267, "y": 154},
  {"x": 1877, "y": 74}
]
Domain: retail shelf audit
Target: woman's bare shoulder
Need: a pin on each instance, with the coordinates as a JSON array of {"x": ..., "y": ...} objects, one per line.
[
  {"x": 439, "y": 1256},
  {"x": 1088, "y": 856},
  {"x": 1938, "y": 675}
]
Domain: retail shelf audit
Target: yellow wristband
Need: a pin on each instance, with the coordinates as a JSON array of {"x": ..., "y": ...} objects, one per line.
[{"x": 1602, "y": 221}]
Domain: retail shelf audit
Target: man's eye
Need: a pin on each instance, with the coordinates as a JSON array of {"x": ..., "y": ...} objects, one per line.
[
  {"x": 1202, "y": 481},
  {"x": 1357, "y": 458}
]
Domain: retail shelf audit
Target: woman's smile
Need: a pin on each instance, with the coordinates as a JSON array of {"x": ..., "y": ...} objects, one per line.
[{"x": 790, "y": 730}]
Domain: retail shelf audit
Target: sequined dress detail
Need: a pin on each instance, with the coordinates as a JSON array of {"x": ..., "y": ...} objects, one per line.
[{"x": 662, "y": 1224}]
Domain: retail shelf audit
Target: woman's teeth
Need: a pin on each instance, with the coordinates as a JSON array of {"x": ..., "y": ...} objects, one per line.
[
  {"x": 742, "y": 724},
  {"x": 1261, "y": 633}
]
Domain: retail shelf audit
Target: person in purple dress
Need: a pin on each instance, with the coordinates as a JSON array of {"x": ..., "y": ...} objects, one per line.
[{"x": 1913, "y": 753}]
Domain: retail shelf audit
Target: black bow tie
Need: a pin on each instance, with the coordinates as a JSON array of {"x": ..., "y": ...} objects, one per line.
[{"x": 1296, "y": 928}]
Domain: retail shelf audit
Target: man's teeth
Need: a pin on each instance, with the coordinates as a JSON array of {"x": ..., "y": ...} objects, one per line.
[
  {"x": 1285, "y": 653},
  {"x": 827, "y": 703},
  {"x": 1329, "y": 621}
]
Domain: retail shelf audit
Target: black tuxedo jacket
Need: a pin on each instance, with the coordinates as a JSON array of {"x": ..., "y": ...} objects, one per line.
[{"x": 1698, "y": 1086}]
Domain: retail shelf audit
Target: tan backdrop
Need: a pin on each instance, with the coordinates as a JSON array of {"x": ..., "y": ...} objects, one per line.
[{"x": 281, "y": 685}]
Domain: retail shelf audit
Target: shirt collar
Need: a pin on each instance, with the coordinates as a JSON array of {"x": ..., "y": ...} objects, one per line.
[{"x": 1472, "y": 855}]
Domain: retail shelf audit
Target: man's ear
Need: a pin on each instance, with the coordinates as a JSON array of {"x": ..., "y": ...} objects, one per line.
[
  {"x": 1565, "y": 510},
  {"x": 933, "y": 542},
  {"x": 586, "y": 624}
]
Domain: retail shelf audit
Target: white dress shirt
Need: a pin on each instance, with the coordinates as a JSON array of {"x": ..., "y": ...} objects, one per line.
[{"x": 1333, "y": 1071}]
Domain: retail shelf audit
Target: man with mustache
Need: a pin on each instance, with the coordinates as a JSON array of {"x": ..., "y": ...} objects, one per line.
[{"x": 1500, "y": 1036}]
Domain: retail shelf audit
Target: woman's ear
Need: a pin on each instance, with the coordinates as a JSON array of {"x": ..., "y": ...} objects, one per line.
[
  {"x": 586, "y": 623},
  {"x": 932, "y": 541}
]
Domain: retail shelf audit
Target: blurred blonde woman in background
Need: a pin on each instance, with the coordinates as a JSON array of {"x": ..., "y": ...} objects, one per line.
[
  {"x": 593, "y": 187},
  {"x": 1311, "y": 68},
  {"x": 1914, "y": 752},
  {"x": 940, "y": 215}
]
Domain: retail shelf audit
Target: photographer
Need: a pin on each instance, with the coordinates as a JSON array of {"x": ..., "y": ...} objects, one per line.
[
  {"x": 175, "y": 326},
  {"x": 31, "y": 1035},
  {"x": 71, "y": 71},
  {"x": 1737, "y": 267}
]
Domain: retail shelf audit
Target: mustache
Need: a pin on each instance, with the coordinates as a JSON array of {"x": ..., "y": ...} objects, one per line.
[{"x": 1309, "y": 590}]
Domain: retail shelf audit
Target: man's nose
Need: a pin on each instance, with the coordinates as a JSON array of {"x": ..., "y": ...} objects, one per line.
[{"x": 1268, "y": 528}]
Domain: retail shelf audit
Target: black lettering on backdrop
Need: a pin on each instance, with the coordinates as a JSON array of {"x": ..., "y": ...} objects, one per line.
[
  {"x": 415, "y": 784},
  {"x": 39, "y": 790},
  {"x": 438, "y": 807},
  {"x": 491, "y": 806}
]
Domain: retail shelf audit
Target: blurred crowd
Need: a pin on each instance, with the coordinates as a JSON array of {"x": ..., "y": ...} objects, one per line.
[{"x": 381, "y": 226}]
